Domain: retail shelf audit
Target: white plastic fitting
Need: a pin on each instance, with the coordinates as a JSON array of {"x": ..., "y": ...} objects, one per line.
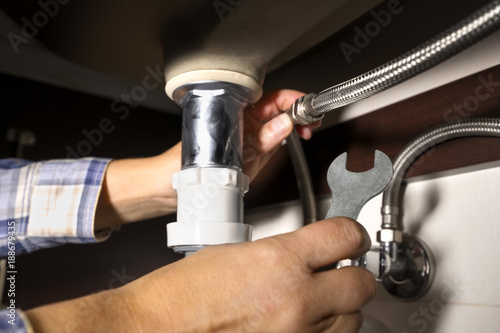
[{"x": 210, "y": 208}]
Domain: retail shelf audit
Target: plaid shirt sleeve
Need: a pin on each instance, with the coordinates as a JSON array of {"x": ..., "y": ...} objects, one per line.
[
  {"x": 45, "y": 204},
  {"x": 14, "y": 322}
]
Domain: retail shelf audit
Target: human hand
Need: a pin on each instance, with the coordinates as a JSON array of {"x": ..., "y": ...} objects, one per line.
[
  {"x": 270, "y": 285},
  {"x": 266, "y": 126}
]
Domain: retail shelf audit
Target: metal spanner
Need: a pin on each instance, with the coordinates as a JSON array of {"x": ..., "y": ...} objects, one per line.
[{"x": 352, "y": 190}]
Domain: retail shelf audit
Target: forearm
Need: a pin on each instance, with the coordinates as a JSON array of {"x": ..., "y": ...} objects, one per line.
[
  {"x": 138, "y": 189},
  {"x": 106, "y": 311}
]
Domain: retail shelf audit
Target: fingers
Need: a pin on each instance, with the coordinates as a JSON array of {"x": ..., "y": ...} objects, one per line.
[
  {"x": 266, "y": 138},
  {"x": 338, "y": 291},
  {"x": 306, "y": 131},
  {"x": 325, "y": 242},
  {"x": 272, "y": 103},
  {"x": 266, "y": 126},
  {"x": 343, "y": 291}
]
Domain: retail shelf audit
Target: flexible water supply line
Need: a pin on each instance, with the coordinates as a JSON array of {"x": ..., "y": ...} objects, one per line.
[
  {"x": 412, "y": 264},
  {"x": 303, "y": 176},
  {"x": 429, "y": 139},
  {"x": 481, "y": 23}
]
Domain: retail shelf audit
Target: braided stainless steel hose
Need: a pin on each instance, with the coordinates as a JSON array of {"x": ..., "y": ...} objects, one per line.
[
  {"x": 445, "y": 132},
  {"x": 455, "y": 39}
]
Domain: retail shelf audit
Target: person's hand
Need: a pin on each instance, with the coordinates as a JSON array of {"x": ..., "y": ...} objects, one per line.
[
  {"x": 266, "y": 126},
  {"x": 271, "y": 285},
  {"x": 137, "y": 189}
]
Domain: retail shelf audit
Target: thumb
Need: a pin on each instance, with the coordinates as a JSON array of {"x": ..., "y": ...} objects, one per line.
[{"x": 274, "y": 131}]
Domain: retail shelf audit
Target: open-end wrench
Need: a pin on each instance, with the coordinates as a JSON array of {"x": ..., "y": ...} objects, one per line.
[{"x": 352, "y": 190}]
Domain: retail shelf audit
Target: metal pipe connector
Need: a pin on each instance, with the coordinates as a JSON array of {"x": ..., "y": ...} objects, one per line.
[{"x": 302, "y": 111}]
